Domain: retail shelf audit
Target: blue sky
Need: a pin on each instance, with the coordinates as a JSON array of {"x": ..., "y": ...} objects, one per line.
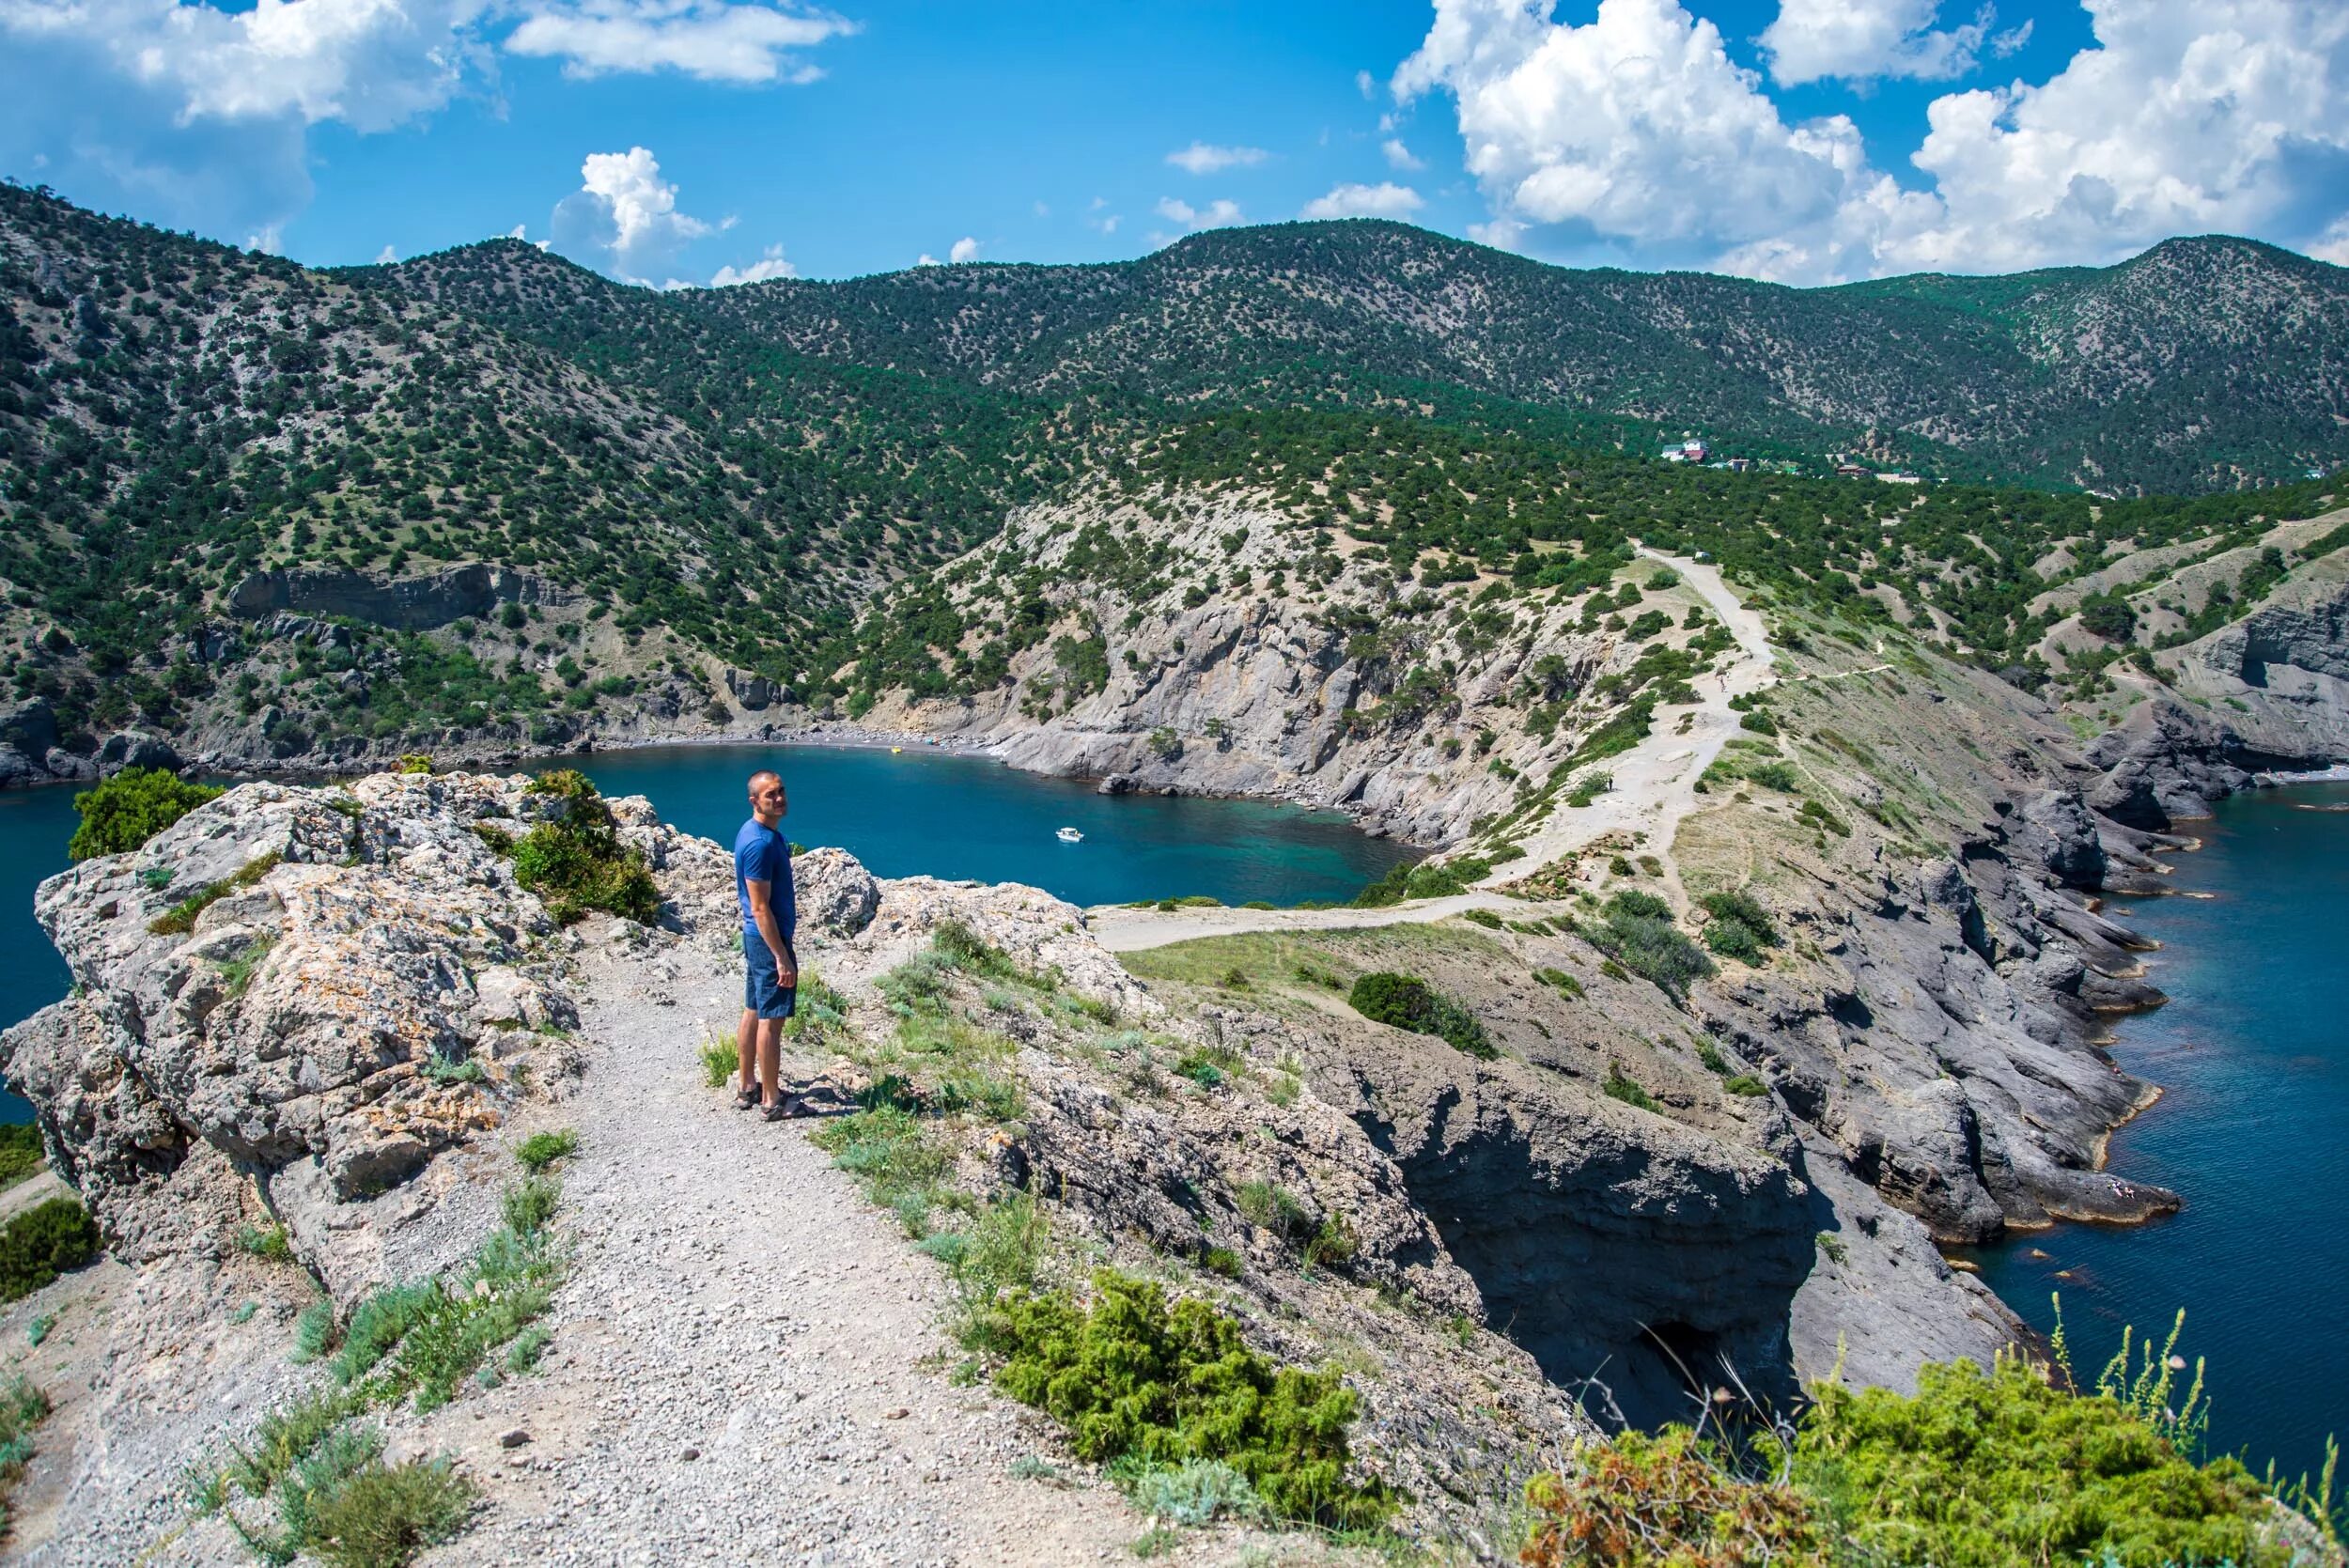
[{"x": 687, "y": 141}]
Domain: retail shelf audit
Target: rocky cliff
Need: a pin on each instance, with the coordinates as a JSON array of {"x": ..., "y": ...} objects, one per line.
[
  {"x": 1216, "y": 644},
  {"x": 336, "y": 1011}
]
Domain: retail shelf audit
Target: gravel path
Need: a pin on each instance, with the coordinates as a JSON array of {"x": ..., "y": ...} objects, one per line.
[{"x": 746, "y": 1365}]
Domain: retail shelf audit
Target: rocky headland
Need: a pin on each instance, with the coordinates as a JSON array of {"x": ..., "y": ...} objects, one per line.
[{"x": 350, "y": 1035}]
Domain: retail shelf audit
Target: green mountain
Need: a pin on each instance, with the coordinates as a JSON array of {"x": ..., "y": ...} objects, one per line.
[{"x": 715, "y": 486}]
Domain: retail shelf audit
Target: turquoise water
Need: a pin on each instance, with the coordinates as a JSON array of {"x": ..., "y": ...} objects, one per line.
[
  {"x": 916, "y": 811},
  {"x": 2253, "y": 1054},
  {"x": 35, "y": 825}
]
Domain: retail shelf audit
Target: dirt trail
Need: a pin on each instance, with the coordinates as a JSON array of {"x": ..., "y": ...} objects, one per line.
[
  {"x": 1654, "y": 788},
  {"x": 747, "y": 1364}
]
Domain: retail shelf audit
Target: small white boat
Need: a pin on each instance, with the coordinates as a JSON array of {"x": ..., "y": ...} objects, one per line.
[{"x": 1069, "y": 835}]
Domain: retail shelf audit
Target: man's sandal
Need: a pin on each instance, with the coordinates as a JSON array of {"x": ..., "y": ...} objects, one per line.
[
  {"x": 746, "y": 1099},
  {"x": 780, "y": 1111}
]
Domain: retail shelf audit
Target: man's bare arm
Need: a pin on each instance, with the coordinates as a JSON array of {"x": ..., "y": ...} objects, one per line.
[{"x": 787, "y": 973}]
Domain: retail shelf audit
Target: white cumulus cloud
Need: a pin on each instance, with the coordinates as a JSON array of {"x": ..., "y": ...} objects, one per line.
[
  {"x": 1385, "y": 199},
  {"x": 1637, "y": 132},
  {"x": 372, "y": 64},
  {"x": 1201, "y": 158},
  {"x": 1220, "y": 213},
  {"x": 1399, "y": 156},
  {"x": 964, "y": 249},
  {"x": 712, "y": 40},
  {"x": 624, "y": 217},
  {"x": 1862, "y": 39},
  {"x": 770, "y": 265},
  {"x": 385, "y": 256}
]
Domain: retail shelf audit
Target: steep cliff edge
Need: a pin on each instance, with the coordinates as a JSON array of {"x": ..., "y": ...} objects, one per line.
[{"x": 353, "y": 1013}]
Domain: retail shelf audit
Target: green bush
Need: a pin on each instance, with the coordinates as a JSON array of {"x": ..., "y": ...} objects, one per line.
[
  {"x": 576, "y": 863},
  {"x": 43, "y": 1242},
  {"x": 135, "y": 805},
  {"x": 1425, "y": 880},
  {"x": 1988, "y": 1469},
  {"x": 1411, "y": 1003},
  {"x": 542, "y": 1149},
  {"x": 1740, "y": 927},
  {"x": 1132, "y": 1377},
  {"x": 1621, "y": 1085},
  {"x": 385, "y": 1514},
  {"x": 1638, "y": 935},
  {"x": 269, "y": 1243},
  {"x": 1559, "y": 979},
  {"x": 20, "y": 1152},
  {"x": 1746, "y": 1085}
]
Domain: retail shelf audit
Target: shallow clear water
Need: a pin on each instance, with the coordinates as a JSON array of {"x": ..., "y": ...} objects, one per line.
[
  {"x": 2253, "y": 1054},
  {"x": 917, "y": 811},
  {"x": 901, "y": 813}
]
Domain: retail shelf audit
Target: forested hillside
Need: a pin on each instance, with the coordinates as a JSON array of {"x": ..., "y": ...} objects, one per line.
[{"x": 707, "y": 492}]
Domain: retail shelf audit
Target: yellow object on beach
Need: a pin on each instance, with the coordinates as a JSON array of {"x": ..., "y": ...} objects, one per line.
[{"x": 894, "y": 749}]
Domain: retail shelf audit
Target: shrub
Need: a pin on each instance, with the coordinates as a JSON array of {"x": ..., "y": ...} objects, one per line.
[
  {"x": 135, "y": 805},
  {"x": 1740, "y": 927},
  {"x": 416, "y": 762},
  {"x": 1484, "y": 918},
  {"x": 1746, "y": 1084},
  {"x": 2107, "y": 616},
  {"x": 1411, "y": 1003},
  {"x": 1195, "y": 1492},
  {"x": 1621, "y": 1085},
  {"x": 576, "y": 863},
  {"x": 1131, "y": 1378},
  {"x": 316, "y": 1331},
  {"x": 20, "y": 1152},
  {"x": 1665, "y": 1502},
  {"x": 46, "y": 1240},
  {"x": 1986, "y": 1469},
  {"x": 1559, "y": 979},
  {"x": 269, "y": 1243},
  {"x": 1758, "y": 722},
  {"x": 385, "y": 1514},
  {"x": 720, "y": 1060},
  {"x": 1271, "y": 1207},
  {"x": 1639, "y": 936},
  {"x": 542, "y": 1149}
]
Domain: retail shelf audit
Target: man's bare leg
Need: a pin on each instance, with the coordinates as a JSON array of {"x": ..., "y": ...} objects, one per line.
[
  {"x": 770, "y": 1057},
  {"x": 745, "y": 1036}
]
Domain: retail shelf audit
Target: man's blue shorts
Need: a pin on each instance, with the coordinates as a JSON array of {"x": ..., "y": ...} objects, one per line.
[{"x": 760, "y": 992}]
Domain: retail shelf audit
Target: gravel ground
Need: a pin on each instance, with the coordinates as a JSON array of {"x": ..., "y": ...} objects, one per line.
[
  {"x": 747, "y": 1364},
  {"x": 746, "y": 1361}
]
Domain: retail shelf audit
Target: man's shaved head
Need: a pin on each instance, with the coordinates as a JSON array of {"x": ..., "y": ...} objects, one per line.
[{"x": 761, "y": 779}]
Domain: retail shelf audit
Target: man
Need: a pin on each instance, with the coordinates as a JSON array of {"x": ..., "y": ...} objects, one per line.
[{"x": 762, "y": 885}]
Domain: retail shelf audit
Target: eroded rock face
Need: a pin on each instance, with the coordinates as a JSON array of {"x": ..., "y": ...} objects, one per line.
[
  {"x": 366, "y": 989},
  {"x": 409, "y": 603},
  {"x": 1942, "y": 1041}
]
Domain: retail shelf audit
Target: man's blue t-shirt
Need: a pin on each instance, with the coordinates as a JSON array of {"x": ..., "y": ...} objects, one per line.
[{"x": 761, "y": 854}]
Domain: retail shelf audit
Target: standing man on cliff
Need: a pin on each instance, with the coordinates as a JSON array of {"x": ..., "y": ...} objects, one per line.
[{"x": 762, "y": 885}]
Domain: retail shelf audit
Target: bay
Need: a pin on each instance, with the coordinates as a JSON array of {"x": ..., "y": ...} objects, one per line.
[
  {"x": 2252, "y": 1129},
  {"x": 923, "y": 812},
  {"x": 902, "y": 814}
]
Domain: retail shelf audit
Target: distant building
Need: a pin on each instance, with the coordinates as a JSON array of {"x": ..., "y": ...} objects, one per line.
[
  {"x": 1693, "y": 450},
  {"x": 1850, "y": 470},
  {"x": 1901, "y": 477}
]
